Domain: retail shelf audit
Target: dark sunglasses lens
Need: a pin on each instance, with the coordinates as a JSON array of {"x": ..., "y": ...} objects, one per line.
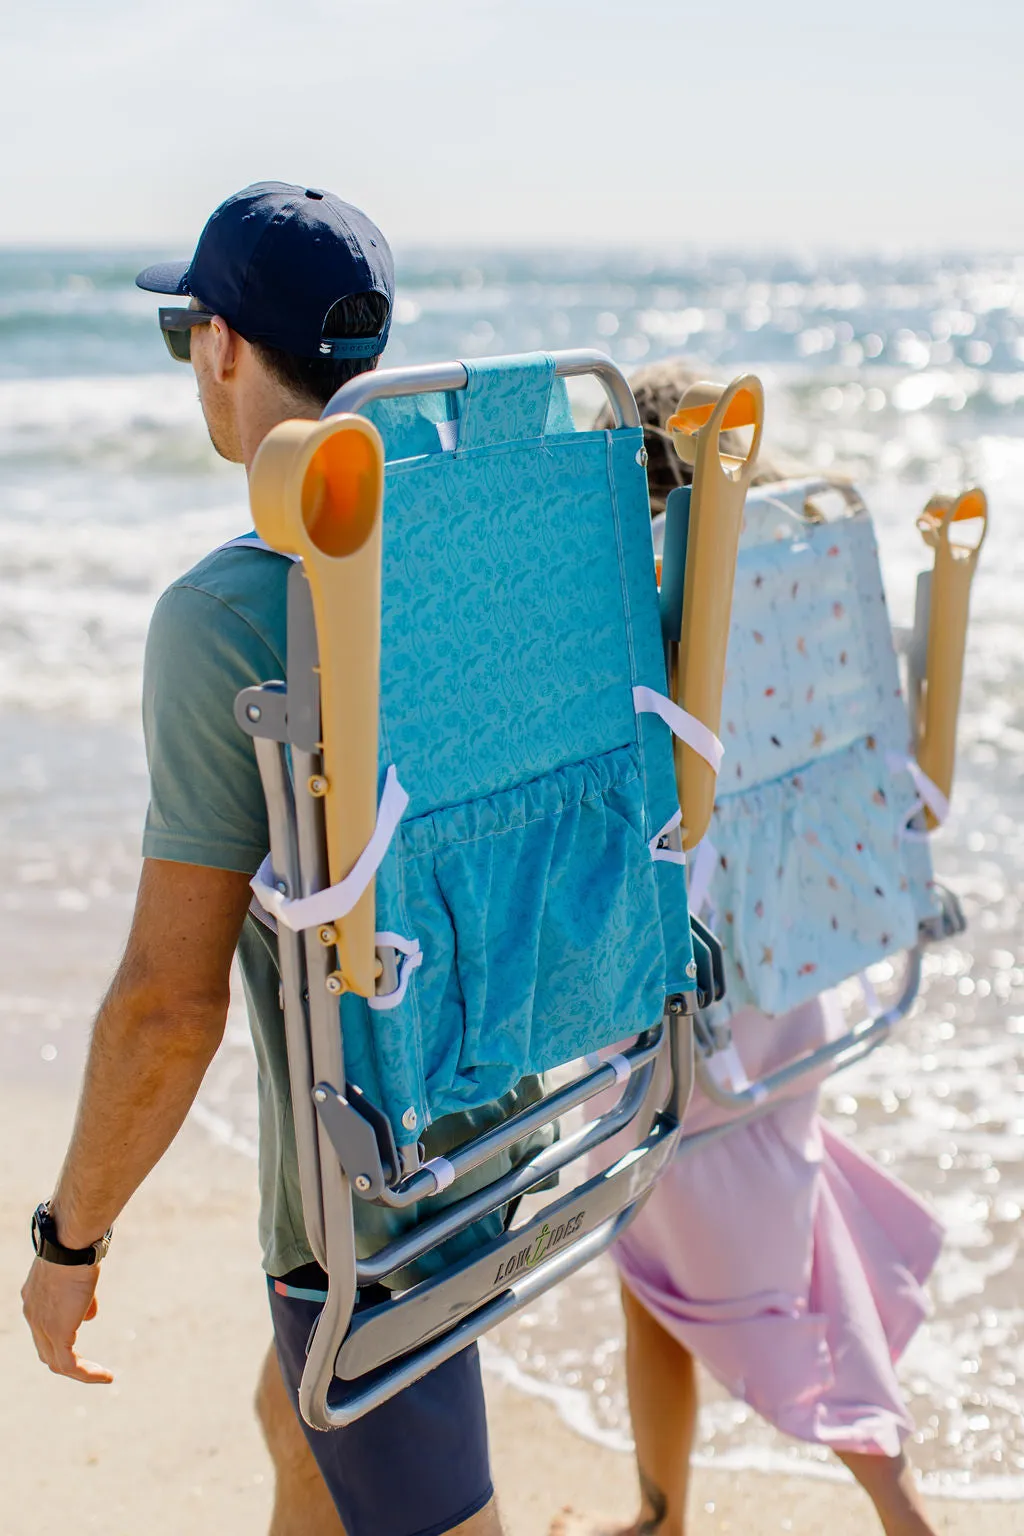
[{"x": 179, "y": 344}]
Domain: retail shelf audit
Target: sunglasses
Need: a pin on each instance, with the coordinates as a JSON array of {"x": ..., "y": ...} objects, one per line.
[{"x": 176, "y": 325}]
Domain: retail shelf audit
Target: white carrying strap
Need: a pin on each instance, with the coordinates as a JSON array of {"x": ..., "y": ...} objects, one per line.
[
  {"x": 443, "y": 1171},
  {"x": 667, "y": 855},
  {"x": 617, "y": 1061},
  {"x": 703, "y": 859},
  {"x": 872, "y": 1001},
  {"x": 337, "y": 900},
  {"x": 687, "y": 728},
  {"x": 930, "y": 796},
  {"x": 410, "y": 948},
  {"x": 728, "y": 1071}
]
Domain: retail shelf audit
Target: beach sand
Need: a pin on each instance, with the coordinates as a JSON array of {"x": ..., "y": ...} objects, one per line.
[{"x": 173, "y": 1445}]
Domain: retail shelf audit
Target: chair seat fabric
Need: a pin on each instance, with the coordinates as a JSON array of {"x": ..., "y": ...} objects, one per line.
[
  {"x": 815, "y": 877},
  {"x": 519, "y": 612}
]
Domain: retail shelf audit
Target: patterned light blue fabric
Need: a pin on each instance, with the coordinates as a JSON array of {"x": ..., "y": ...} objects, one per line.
[
  {"x": 814, "y": 879},
  {"x": 519, "y": 611}
]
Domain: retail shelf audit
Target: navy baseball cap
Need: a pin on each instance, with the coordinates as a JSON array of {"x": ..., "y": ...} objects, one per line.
[{"x": 274, "y": 258}]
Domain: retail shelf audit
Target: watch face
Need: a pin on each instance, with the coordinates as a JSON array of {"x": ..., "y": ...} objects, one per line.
[{"x": 38, "y": 1216}]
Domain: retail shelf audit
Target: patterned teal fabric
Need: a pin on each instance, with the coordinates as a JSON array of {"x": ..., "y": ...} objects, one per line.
[
  {"x": 501, "y": 405},
  {"x": 409, "y": 425},
  {"x": 520, "y": 609},
  {"x": 814, "y": 878}
]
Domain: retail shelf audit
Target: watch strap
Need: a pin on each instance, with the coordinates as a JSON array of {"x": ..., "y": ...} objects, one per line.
[{"x": 49, "y": 1247}]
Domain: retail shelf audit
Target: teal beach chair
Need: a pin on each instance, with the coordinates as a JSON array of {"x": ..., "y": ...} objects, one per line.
[
  {"x": 817, "y": 862},
  {"x": 475, "y": 865}
]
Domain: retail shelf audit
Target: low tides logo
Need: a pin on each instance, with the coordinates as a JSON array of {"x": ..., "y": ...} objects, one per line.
[{"x": 539, "y": 1247}]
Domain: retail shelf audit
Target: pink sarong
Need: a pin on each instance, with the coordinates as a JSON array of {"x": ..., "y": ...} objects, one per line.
[{"x": 787, "y": 1262}]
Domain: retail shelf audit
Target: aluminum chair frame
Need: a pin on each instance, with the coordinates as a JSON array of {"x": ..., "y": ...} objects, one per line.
[{"x": 358, "y": 1359}]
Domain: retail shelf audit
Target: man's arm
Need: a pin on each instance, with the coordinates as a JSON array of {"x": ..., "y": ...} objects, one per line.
[{"x": 155, "y": 1035}]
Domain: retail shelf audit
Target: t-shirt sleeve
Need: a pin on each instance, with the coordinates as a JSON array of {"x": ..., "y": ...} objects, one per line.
[{"x": 206, "y": 801}]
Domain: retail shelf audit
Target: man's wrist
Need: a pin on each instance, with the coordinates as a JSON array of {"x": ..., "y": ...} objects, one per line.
[
  {"x": 52, "y": 1244},
  {"x": 70, "y": 1233}
]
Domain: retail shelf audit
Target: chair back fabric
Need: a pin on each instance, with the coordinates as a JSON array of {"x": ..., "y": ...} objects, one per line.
[
  {"x": 520, "y": 611},
  {"x": 816, "y": 874}
]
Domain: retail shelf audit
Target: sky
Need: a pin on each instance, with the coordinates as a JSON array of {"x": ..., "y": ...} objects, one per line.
[{"x": 882, "y": 124}]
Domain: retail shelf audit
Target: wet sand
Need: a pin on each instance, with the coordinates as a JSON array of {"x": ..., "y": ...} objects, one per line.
[{"x": 173, "y": 1445}]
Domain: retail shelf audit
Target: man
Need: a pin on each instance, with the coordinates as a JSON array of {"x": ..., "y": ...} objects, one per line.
[{"x": 289, "y": 295}]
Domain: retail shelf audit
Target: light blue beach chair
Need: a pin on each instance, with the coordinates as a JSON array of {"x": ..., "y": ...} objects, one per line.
[
  {"x": 530, "y": 896},
  {"x": 817, "y": 863}
]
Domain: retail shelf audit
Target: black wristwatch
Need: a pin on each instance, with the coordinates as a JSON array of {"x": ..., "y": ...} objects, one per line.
[{"x": 49, "y": 1247}]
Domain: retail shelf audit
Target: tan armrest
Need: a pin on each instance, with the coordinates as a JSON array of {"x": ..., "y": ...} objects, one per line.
[
  {"x": 719, "y": 490},
  {"x": 955, "y": 564},
  {"x": 316, "y": 489}
]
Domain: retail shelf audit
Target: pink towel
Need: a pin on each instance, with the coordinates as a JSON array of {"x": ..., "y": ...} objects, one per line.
[{"x": 788, "y": 1263}]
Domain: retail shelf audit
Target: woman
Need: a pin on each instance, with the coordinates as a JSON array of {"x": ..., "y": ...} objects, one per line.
[{"x": 786, "y": 1262}]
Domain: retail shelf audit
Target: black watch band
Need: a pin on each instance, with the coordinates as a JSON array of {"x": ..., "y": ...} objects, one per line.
[{"x": 49, "y": 1247}]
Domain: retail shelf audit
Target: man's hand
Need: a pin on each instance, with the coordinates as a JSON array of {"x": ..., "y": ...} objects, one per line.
[{"x": 57, "y": 1299}]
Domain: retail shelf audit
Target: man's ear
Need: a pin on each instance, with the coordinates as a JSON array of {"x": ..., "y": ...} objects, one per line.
[{"x": 224, "y": 349}]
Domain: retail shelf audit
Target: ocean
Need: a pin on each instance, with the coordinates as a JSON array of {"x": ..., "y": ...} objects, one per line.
[{"x": 905, "y": 371}]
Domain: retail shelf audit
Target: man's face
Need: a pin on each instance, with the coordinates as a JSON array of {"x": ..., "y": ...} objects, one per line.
[{"x": 210, "y": 346}]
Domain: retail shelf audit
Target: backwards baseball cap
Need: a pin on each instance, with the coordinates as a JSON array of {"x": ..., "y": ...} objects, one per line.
[{"x": 274, "y": 259}]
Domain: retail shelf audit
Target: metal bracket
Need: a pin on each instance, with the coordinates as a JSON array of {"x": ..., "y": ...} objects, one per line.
[
  {"x": 289, "y": 712},
  {"x": 303, "y": 664},
  {"x": 709, "y": 1037},
  {"x": 263, "y": 711},
  {"x": 716, "y": 986},
  {"x": 359, "y": 1133},
  {"x": 949, "y": 923}
]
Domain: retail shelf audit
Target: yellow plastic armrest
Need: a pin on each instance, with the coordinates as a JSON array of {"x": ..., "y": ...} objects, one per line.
[
  {"x": 953, "y": 572},
  {"x": 719, "y": 491},
  {"x": 316, "y": 489}
]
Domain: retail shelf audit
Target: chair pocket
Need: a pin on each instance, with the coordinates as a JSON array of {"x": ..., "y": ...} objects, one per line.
[
  {"x": 537, "y": 910},
  {"x": 811, "y": 882}
]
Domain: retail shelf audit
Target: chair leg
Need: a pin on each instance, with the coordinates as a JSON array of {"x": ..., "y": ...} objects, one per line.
[{"x": 302, "y": 1505}]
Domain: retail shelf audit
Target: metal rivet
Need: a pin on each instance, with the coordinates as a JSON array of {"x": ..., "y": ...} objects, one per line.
[
  {"x": 318, "y": 786},
  {"x": 675, "y": 1006},
  {"x": 361, "y": 1183},
  {"x": 691, "y": 969},
  {"x": 320, "y": 1095},
  {"x": 641, "y": 457},
  {"x": 335, "y": 983},
  {"x": 409, "y": 1119},
  {"x": 281, "y": 887},
  {"x": 328, "y": 935},
  {"x": 253, "y": 712}
]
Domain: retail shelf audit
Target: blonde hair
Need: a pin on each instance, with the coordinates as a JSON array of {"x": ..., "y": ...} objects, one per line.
[{"x": 657, "y": 388}]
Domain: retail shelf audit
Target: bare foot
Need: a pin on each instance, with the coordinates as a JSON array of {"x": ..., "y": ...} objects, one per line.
[{"x": 568, "y": 1522}]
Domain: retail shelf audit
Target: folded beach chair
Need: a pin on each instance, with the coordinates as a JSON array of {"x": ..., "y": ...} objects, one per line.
[
  {"x": 817, "y": 862},
  {"x": 475, "y": 858}
]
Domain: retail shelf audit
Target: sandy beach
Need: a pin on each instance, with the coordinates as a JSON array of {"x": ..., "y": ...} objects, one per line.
[{"x": 173, "y": 1445}]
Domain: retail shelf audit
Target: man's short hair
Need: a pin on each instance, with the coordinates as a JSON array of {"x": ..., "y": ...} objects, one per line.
[{"x": 318, "y": 378}]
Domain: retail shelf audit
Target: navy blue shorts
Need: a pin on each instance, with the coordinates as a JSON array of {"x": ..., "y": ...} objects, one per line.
[{"x": 416, "y": 1466}]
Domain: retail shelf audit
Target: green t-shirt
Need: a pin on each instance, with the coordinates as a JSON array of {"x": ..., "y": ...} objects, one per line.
[{"x": 218, "y": 629}]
